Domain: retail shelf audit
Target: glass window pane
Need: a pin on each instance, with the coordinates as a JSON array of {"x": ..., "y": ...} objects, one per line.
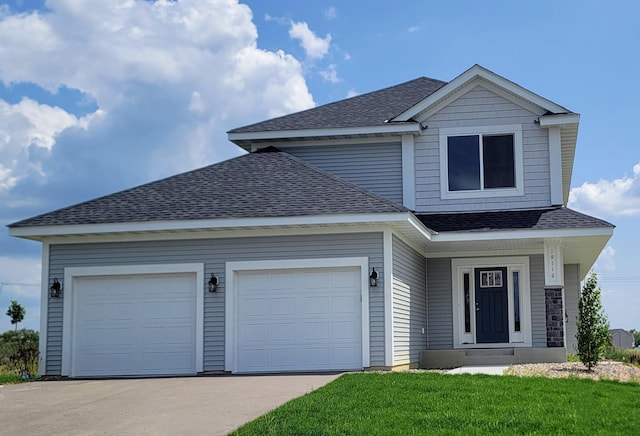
[
  {"x": 498, "y": 162},
  {"x": 516, "y": 300},
  {"x": 467, "y": 304},
  {"x": 463, "y": 154}
]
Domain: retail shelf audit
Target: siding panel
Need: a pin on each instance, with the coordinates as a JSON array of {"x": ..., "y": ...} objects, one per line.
[
  {"x": 481, "y": 107},
  {"x": 571, "y": 296},
  {"x": 409, "y": 303},
  {"x": 376, "y": 167},
  {"x": 538, "y": 308},
  {"x": 439, "y": 304},
  {"x": 214, "y": 253}
]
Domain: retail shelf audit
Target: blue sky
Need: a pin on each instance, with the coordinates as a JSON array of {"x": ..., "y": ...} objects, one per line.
[{"x": 97, "y": 97}]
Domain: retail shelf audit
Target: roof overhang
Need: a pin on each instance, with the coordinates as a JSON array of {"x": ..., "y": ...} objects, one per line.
[
  {"x": 405, "y": 222},
  {"x": 245, "y": 139},
  {"x": 581, "y": 246}
]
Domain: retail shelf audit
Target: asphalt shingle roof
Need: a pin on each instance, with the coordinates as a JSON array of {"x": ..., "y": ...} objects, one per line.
[
  {"x": 536, "y": 219},
  {"x": 371, "y": 109},
  {"x": 265, "y": 184}
]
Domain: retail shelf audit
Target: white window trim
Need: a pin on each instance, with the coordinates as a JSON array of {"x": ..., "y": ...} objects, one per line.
[
  {"x": 515, "y": 129},
  {"x": 461, "y": 266},
  {"x": 232, "y": 268},
  {"x": 69, "y": 310}
]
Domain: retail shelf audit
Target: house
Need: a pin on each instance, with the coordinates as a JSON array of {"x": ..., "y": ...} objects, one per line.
[
  {"x": 424, "y": 224},
  {"x": 621, "y": 338}
]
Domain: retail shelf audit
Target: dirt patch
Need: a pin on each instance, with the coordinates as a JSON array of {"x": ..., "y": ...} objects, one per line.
[{"x": 605, "y": 370}]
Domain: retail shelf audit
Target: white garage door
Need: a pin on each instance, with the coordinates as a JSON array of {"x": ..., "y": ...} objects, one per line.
[
  {"x": 299, "y": 320},
  {"x": 142, "y": 324}
]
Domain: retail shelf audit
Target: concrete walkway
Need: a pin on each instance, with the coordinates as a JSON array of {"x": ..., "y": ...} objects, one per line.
[
  {"x": 484, "y": 369},
  {"x": 152, "y": 406}
]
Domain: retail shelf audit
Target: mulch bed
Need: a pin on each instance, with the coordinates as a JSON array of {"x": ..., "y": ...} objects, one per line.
[{"x": 605, "y": 370}]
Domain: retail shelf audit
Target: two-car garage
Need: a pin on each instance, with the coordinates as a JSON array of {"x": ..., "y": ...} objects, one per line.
[{"x": 149, "y": 320}]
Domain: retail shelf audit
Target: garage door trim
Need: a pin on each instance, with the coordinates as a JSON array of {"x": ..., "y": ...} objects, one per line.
[
  {"x": 116, "y": 270},
  {"x": 233, "y": 268}
]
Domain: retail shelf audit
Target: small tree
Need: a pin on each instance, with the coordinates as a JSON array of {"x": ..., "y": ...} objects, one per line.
[
  {"x": 16, "y": 313},
  {"x": 593, "y": 327},
  {"x": 636, "y": 337}
]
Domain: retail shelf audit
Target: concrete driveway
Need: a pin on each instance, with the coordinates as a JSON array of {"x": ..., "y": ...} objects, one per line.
[{"x": 160, "y": 406}]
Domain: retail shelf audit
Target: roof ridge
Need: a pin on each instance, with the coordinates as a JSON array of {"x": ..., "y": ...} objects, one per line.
[
  {"x": 342, "y": 181},
  {"x": 341, "y": 101}
]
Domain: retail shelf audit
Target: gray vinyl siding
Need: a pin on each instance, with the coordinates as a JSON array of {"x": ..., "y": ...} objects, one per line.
[
  {"x": 571, "y": 296},
  {"x": 439, "y": 304},
  {"x": 481, "y": 107},
  {"x": 409, "y": 303},
  {"x": 214, "y": 253},
  {"x": 538, "y": 304},
  {"x": 376, "y": 167}
]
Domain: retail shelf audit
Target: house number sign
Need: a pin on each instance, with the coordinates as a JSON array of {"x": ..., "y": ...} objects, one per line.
[{"x": 553, "y": 263}]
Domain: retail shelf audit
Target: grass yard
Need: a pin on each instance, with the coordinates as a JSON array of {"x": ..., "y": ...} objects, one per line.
[{"x": 431, "y": 403}]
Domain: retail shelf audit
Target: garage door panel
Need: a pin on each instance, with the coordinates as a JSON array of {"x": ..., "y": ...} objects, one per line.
[
  {"x": 279, "y": 281},
  {"x": 254, "y": 332},
  {"x": 349, "y": 330},
  {"x": 317, "y": 305},
  {"x": 283, "y": 331},
  {"x": 345, "y": 304},
  {"x": 317, "y": 331},
  {"x": 314, "y": 325},
  {"x": 134, "y": 325}
]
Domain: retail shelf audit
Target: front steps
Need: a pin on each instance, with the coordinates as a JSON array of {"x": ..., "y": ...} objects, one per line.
[{"x": 438, "y": 359}]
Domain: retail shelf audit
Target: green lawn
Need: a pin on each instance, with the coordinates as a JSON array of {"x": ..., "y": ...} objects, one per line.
[{"x": 431, "y": 403}]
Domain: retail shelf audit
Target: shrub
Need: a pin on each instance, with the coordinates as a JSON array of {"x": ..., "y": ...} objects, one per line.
[
  {"x": 19, "y": 352},
  {"x": 593, "y": 327}
]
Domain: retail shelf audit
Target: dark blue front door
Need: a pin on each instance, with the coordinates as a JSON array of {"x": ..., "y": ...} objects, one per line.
[{"x": 492, "y": 311}]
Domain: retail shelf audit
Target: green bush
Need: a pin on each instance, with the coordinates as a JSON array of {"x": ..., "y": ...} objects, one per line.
[
  {"x": 627, "y": 355},
  {"x": 19, "y": 352}
]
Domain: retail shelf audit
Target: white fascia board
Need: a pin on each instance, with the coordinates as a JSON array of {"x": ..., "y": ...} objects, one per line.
[
  {"x": 391, "y": 128},
  {"x": 558, "y": 120},
  {"x": 467, "y": 76},
  {"x": 158, "y": 226},
  {"x": 520, "y": 234}
]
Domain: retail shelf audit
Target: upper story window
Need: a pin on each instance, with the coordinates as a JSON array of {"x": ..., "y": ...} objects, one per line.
[{"x": 481, "y": 162}]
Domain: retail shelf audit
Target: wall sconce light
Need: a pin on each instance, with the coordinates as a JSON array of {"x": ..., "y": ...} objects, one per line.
[
  {"x": 373, "y": 278},
  {"x": 54, "y": 290},
  {"x": 213, "y": 283}
]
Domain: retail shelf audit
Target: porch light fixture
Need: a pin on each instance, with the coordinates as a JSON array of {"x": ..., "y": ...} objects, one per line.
[
  {"x": 213, "y": 283},
  {"x": 373, "y": 278},
  {"x": 54, "y": 290}
]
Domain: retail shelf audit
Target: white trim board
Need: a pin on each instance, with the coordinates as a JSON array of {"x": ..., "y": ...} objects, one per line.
[
  {"x": 44, "y": 309},
  {"x": 232, "y": 268},
  {"x": 71, "y": 273}
]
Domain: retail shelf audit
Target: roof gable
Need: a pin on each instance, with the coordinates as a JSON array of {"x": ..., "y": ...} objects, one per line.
[
  {"x": 473, "y": 74},
  {"x": 265, "y": 184}
]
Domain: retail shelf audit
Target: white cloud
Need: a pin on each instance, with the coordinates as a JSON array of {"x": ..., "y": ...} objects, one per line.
[
  {"x": 19, "y": 277},
  {"x": 606, "y": 260},
  {"x": 26, "y": 127},
  {"x": 619, "y": 197},
  {"x": 352, "y": 93},
  {"x": 331, "y": 13},
  {"x": 314, "y": 46},
  {"x": 142, "y": 62},
  {"x": 413, "y": 29},
  {"x": 330, "y": 74}
]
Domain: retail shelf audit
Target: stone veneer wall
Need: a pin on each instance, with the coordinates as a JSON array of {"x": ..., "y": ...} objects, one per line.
[{"x": 555, "y": 317}]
